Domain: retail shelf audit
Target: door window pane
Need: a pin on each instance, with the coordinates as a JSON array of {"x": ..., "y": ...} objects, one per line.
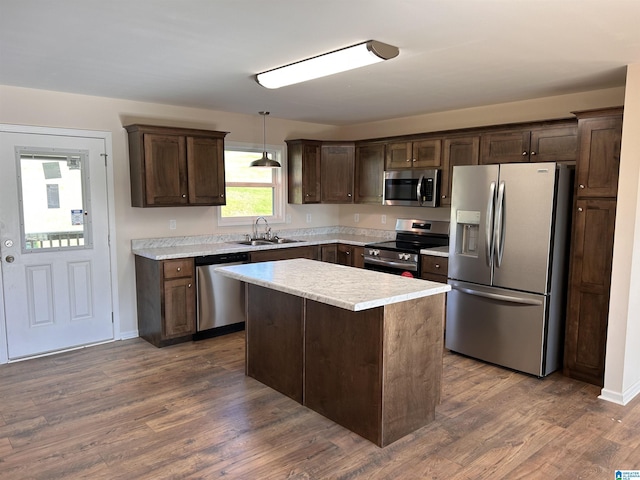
[{"x": 52, "y": 200}]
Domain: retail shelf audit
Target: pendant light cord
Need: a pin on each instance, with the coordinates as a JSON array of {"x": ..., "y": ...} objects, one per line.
[{"x": 264, "y": 130}]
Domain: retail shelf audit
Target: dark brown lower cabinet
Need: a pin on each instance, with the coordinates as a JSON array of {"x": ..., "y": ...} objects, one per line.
[
  {"x": 350, "y": 255},
  {"x": 589, "y": 286},
  {"x": 166, "y": 294}
]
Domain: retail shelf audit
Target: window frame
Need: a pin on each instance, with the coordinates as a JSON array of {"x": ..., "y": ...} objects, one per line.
[{"x": 277, "y": 152}]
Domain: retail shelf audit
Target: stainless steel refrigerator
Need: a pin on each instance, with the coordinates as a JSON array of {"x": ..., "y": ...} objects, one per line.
[{"x": 508, "y": 264}]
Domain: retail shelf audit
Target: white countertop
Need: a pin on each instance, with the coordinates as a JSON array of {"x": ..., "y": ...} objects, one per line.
[
  {"x": 350, "y": 288},
  {"x": 196, "y": 250}
]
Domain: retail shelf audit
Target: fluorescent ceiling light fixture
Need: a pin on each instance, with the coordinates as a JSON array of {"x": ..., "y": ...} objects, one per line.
[{"x": 348, "y": 58}]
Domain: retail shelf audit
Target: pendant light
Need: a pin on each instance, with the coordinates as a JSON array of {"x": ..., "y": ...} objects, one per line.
[{"x": 265, "y": 161}]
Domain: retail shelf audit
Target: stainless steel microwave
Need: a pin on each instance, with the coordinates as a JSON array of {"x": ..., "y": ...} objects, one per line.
[{"x": 416, "y": 188}]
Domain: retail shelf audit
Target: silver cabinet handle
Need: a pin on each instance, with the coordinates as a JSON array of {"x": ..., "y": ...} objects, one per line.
[
  {"x": 437, "y": 265},
  {"x": 581, "y": 186},
  {"x": 579, "y": 209},
  {"x": 533, "y": 153},
  {"x": 189, "y": 285},
  {"x": 184, "y": 195},
  {"x": 524, "y": 154},
  {"x": 179, "y": 268}
]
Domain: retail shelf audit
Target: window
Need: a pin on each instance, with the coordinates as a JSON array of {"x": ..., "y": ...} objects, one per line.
[
  {"x": 251, "y": 192},
  {"x": 53, "y": 200}
]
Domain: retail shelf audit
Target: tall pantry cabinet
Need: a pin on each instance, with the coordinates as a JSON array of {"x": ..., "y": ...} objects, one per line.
[{"x": 597, "y": 167}]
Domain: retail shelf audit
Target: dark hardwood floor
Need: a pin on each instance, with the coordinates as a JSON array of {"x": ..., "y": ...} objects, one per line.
[{"x": 128, "y": 410}]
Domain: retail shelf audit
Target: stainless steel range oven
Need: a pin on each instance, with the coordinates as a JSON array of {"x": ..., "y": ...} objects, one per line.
[{"x": 402, "y": 255}]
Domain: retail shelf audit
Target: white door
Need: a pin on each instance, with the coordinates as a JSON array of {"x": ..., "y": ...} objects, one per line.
[{"x": 54, "y": 243}]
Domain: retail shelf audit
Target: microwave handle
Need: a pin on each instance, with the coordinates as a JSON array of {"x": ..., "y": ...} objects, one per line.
[{"x": 419, "y": 190}]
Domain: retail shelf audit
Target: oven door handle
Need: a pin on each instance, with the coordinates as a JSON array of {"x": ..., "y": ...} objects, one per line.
[{"x": 386, "y": 263}]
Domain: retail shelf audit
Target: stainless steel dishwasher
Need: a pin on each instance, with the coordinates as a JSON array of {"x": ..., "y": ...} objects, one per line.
[{"x": 220, "y": 300}]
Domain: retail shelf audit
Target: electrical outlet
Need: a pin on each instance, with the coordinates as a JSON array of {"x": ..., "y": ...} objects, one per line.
[
  {"x": 172, "y": 224},
  {"x": 383, "y": 219},
  {"x": 308, "y": 218},
  {"x": 356, "y": 217}
]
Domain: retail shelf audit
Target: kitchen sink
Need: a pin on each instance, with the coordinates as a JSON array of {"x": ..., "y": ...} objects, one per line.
[
  {"x": 254, "y": 243},
  {"x": 284, "y": 240}
]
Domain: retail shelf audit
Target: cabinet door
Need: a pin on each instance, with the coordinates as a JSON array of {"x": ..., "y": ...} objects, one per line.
[
  {"x": 357, "y": 257},
  {"x": 457, "y": 151},
  {"x": 336, "y": 178},
  {"x": 329, "y": 253},
  {"x": 589, "y": 285},
  {"x": 426, "y": 153},
  {"x": 179, "y": 312},
  {"x": 165, "y": 166},
  {"x": 599, "y": 156},
  {"x": 303, "y": 171},
  {"x": 345, "y": 254},
  {"x": 369, "y": 173},
  {"x": 504, "y": 147},
  {"x": 434, "y": 268},
  {"x": 398, "y": 155},
  {"x": 554, "y": 144},
  {"x": 311, "y": 174},
  {"x": 205, "y": 165},
  {"x": 350, "y": 255}
]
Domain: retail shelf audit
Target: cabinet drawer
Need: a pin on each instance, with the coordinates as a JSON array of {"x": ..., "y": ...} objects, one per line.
[
  {"x": 435, "y": 265},
  {"x": 177, "y": 268}
]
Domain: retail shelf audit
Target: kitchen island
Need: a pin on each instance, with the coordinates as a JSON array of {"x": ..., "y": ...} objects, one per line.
[{"x": 360, "y": 347}]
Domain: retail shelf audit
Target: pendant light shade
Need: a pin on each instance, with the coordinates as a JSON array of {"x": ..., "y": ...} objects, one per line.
[{"x": 265, "y": 161}]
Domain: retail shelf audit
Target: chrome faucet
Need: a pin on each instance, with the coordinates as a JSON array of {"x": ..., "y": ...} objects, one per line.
[{"x": 267, "y": 229}]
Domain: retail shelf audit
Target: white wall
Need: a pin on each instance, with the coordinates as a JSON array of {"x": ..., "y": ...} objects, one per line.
[
  {"x": 53, "y": 109},
  {"x": 622, "y": 372}
]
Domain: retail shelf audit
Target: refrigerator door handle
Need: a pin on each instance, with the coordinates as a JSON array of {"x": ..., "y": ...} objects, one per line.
[
  {"x": 497, "y": 296},
  {"x": 498, "y": 228},
  {"x": 419, "y": 190},
  {"x": 489, "y": 223}
]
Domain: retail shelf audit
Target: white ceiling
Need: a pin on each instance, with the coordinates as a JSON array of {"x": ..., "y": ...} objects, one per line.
[{"x": 205, "y": 53}]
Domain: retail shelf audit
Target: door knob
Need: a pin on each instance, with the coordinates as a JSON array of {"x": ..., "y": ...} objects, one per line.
[{"x": 9, "y": 258}]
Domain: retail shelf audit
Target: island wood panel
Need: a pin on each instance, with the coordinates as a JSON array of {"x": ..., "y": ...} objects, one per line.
[
  {"x": 343, "y": 367},
  {"x": 274, "y": 332},
  {"x": 412, "y": 373},
  {"x": 376, "y": 372}
]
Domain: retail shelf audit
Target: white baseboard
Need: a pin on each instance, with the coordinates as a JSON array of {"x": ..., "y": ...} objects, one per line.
[
  {"x": 129, "y": 335},
  {"x": 621, "y": 398}
]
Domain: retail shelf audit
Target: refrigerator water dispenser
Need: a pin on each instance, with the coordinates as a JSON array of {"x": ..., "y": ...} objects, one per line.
[{"x": 468, "y": 231}]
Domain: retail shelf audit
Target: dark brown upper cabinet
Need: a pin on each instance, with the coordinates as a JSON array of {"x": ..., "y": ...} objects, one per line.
[
  {"x": 336, "y": 172},
  {"x": 418, "y": 153},
  {"x": 369, "y": 173},
  {"x": 548, "y": 143},
  {"x": 456, "y": 151},
  {"x": 303, "y": 171},
  {"x": 599, "y": 162},
  {"x": 176, "y": 166}
]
